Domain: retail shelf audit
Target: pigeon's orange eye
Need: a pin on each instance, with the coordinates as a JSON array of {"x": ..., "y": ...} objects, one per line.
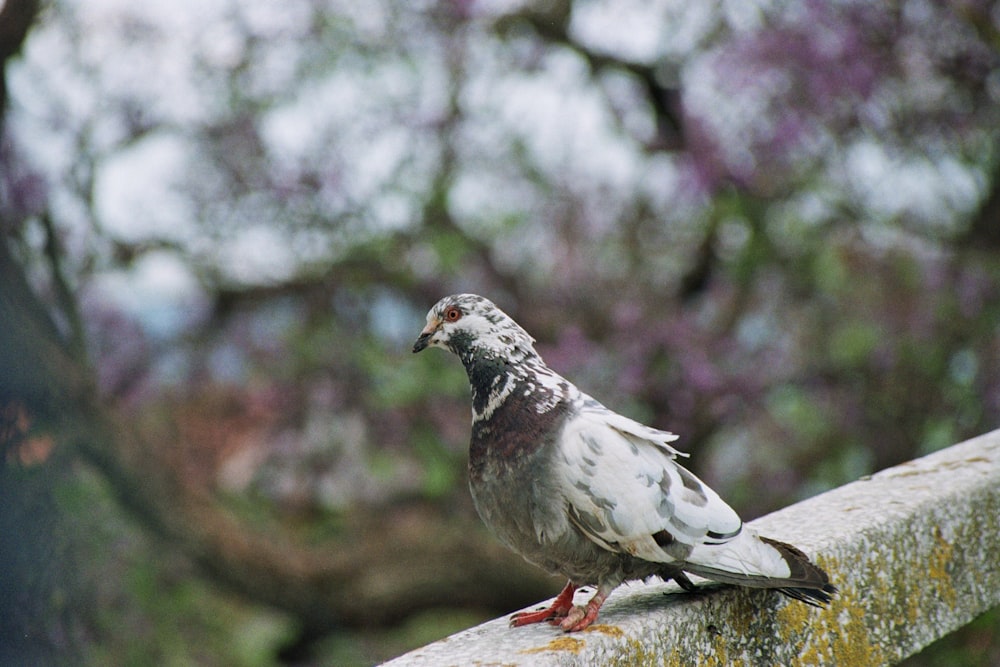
[{"x": 453, "y": 314}]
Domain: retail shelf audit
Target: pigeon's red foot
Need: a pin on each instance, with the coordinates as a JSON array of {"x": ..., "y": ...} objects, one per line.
[
  {"x": 558, "y": 610},
  {"x": 579, "y": 617}
]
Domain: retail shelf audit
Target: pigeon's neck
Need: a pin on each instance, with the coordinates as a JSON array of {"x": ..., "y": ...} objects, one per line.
[
  {"x": 495, "y": 379},
  {"x": 492, "y": 378},
  {"x": 517, "y": 408}
]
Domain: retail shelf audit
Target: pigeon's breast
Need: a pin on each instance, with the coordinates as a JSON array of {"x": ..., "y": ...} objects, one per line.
[
  {"x": 517, "y": 494},
  {"x": 520, "y": 418},
  {"x": 509, "y": 473}
]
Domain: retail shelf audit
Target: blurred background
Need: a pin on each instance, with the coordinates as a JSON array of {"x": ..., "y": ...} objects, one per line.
[{"x": 770, "y": 227}]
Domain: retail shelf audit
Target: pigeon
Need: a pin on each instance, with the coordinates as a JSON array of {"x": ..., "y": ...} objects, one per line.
[{"x": 584, "y": 492}]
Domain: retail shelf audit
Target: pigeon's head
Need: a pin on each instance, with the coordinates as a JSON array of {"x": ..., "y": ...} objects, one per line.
[{"x": 471, "y": 325}]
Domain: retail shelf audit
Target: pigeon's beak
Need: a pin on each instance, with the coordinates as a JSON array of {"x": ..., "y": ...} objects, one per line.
[{"x": 425, "y": 336}]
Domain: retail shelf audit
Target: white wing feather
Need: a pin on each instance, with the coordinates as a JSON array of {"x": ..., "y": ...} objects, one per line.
[{"x": 622, "y": 487}]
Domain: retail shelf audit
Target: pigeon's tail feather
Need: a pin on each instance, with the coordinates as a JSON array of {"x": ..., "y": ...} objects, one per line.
[
  {"x": 816, "y": 597},
  {"x": 814, "y": 584},
  {"x": 761, "y": 562}
]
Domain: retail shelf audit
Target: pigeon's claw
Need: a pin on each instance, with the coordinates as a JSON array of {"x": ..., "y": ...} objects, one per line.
[
  {"x": 558, "y": 610},
  {"x": 550, "y": 614},
  {"x": 580, "y": 617}
]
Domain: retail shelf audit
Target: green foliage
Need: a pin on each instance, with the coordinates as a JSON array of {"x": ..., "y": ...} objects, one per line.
[
  {"x": 361, "y": 649},
  {"x": 847, "y": 463},
  {"x": 801, "y": 414},
  {"x": 440, "y": 466},
  {"x": 853, "y": 342},
  {"x": 401, "y": 379},
  {"x": 134, "y": 601}
]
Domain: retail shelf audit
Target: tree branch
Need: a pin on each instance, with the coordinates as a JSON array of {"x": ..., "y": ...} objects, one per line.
[
  {"x": 984, "y": 231},
  {"x": 552, "y": 25},
  {"x": 16, "y": 17},
  {"x": 67, "y": 303}
]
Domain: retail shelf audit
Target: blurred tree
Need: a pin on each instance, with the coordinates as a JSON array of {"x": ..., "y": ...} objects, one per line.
[{"x": 769, "y": 227}]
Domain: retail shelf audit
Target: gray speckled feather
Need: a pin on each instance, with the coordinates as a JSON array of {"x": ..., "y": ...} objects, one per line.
[{"x": 585, "y": 492}]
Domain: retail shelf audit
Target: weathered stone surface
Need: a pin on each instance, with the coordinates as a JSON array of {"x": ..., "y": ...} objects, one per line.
[{"x": 913, "y": 550}]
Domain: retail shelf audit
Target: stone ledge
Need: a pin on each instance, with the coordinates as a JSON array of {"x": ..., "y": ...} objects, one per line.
[{"x": 912, "y": 548}]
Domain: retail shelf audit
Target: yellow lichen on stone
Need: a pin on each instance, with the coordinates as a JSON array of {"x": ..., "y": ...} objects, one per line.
[
  {"x": 740, "y": 614},
  {"x": 636, "y": 654},
  {"x": 794, "y": 617},
  {"x": 719, "y": 657},
  {"x": 609, "y": 630},
  {"x": 571, "y": 644},
  {"x": 913, "y": 606},
  {"x": 837, "y": 634},
  {"x": 850, "y": 639},
  {"x": 795, "y": 621},
  {"x": 937, "y": 568}
]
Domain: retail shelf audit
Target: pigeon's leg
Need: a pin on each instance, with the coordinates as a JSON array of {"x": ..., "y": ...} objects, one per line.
[
  {"x": 579, "y": 617},
  {"x": 558, "y": 609}
]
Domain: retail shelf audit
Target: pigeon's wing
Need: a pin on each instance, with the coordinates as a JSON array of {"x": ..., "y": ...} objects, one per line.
[
  {"x": 630, "y": 429},
  {"x": 624, "y": 490}
]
